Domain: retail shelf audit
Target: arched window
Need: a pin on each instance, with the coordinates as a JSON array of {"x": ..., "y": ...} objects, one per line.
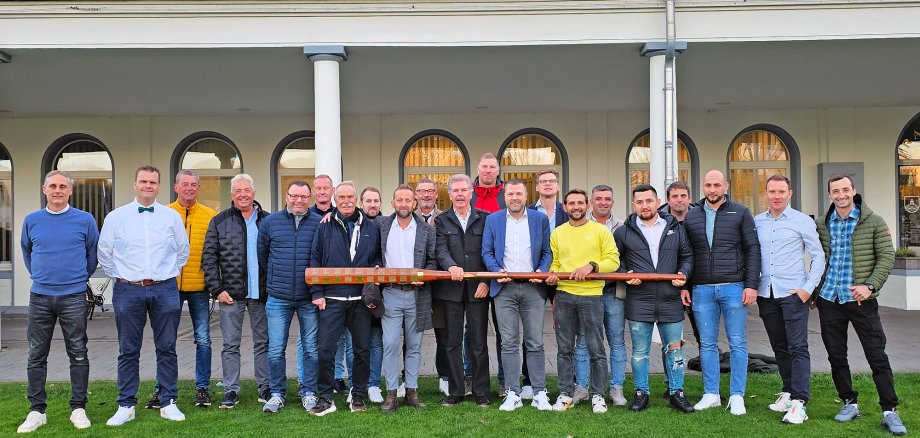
[
  {"x": 639, "y": 158},
  {"x": 216, "y": 160},
  {"x": 89, "y": 163},
  {"x": 6, "y": 209},
  {"x": 908, "y": 159},
  {"x": 434, "y": 154},
  {"x": 755, "y": 154},
  {"x": 528, "y": 151},
  {"x": 294, "y": 158}
]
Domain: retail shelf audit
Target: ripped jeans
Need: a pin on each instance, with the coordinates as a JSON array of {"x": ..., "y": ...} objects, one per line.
[{"x": 641, "y": 334}]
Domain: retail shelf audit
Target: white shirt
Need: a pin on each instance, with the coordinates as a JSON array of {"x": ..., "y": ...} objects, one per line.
[
  {"x": 143, "y": 246},
  {"x": 463, "y": 220},
  {"x": 517, "y": 244},
  {"x": 400, "y": 251},
  {"x": 652, "y": 236}
]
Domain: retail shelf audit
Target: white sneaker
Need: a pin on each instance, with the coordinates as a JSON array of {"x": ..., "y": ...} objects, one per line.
[
  {"x": 598, "y": 405},
  {"x": 563, "y": 403},
  {"x": 783, "y": 403},
  {"x": 33, "y": 421},
  {"x": 796, "y": 414},
  {"x": 708, "y": 401},
  {"x": 541, "y": 401},
  {"x": 123, "y": 415},
  {"x": 512, "y": 402},
  {"x": 375, "y": 394},
  {"x": 527, "y": 393},
  {"x": 79, "y": 419},
  {"x": 442, "y": 385},
  {"x": 401, "y": 391},
  {"x": 736, "y": 405},
  {"x": 171, "y": 412}
]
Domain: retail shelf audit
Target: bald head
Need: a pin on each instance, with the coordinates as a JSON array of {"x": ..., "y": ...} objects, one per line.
[{"x": 715, "y": 187}]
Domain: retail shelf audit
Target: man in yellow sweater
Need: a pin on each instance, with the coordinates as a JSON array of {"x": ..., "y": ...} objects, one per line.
[
  {"x": 196, "y": 217},
  {"x": 580, "y": 247}
]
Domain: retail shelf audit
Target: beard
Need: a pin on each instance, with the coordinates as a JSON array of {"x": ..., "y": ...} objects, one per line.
[{"x": 403, "y": 214}]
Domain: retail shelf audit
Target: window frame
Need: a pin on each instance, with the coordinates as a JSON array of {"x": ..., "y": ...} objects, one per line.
[
  {"x": 694, "y": 165},
  {"x": 53, "y": 152},
  {"x": 560, "y": 147},
  {"x": 276, "y": 173}
]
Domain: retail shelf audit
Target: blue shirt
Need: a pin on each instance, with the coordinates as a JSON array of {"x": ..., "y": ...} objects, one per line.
[
  {"x": 59, "y": 250},
  {"x": 783, "y": 242},
  {"x": 252, "y": 253},
  {"x": 840, "y": 261},
  {"x": 552, "y": 219},
  {"x": 143, "y": 246},
  {"x": 710, "y": 221}
]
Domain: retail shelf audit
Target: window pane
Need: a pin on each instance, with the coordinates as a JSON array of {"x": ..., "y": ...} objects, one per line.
[
  {"x": 758, "y": 145},
  {"x": 909, "y": 208},
  {"x": 440, "y": 180},
  {"x": 210, "y": 153},
  {"x": 83, "y": 156},
  {"x": 89, "y": 165},
  {"x": 748, "y": 185},
  {"x": 434, "y": 151},
  {"x": 530, "y": 150},
  {"x": 6, "y": 217},
  {"x": 641, "y": 151},
  {"x": 300, "y": 154},
  {"x": 92, "y": 195}
]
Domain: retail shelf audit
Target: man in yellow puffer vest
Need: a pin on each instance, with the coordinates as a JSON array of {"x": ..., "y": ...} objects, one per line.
[{"x": 196, "y": 217}]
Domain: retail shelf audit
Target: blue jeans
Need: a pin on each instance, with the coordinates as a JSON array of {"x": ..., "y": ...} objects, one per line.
[
  {"x": 279, "y": 313},
  {"x": 641, "y": 334},
  {"x": 709, "y": 302},
  {"x": 198, "y": 309},
  {"x": 132, "y": 304},
  {"x": 376, "y": 361},
  {"x": 614, "y": 325},
  {"x": 344, "y": 357}
]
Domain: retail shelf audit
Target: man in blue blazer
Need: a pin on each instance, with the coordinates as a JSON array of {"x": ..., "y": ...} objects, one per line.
[{"x": 516, "y": 239}]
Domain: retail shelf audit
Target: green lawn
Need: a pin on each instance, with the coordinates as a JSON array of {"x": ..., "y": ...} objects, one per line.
[{"x": 468, "y": 419}]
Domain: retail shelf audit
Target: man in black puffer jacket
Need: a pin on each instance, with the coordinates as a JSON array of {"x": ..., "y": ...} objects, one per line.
[
  {"x": 726, "y": 275},
  {"x": 653, "y": 242},
  {"x": 234, "y": 278}
]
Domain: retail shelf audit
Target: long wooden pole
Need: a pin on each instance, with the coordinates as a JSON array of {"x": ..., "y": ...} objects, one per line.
[{"x": 404, "y": 275}]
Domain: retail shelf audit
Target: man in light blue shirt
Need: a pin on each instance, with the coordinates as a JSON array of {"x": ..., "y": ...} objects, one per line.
[
  {"x": 143, "y": 246},
  {"x": 785, "y": 234},
  {"x": 231, "y": 269}
]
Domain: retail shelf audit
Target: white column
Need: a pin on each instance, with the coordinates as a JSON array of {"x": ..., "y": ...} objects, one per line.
[
  {"x": 327, "y": 108},
  {"x": 656, "y": 122}
]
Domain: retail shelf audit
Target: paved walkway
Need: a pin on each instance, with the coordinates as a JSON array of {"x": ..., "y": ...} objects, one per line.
[{"x": 901, "y": 327}]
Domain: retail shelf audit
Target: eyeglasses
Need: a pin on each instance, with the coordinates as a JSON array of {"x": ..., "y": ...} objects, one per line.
[
  {"x": 547, "y": 181},
  {"x": 428, "y": 191},
  {"x": 301, "y": 197}
]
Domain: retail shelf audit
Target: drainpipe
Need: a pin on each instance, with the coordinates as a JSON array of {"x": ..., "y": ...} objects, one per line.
[{"x": 670, "y": 97}]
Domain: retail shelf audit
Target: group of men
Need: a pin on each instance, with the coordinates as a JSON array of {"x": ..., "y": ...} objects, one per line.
[{"x": 251, "y": 262}]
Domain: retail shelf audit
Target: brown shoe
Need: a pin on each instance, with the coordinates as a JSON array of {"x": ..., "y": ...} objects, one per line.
[
  {"x": 389, "y": 405},
  {"x": 412, "y": 398}
]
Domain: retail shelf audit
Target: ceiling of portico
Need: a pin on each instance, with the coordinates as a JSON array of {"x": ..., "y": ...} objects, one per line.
[{"x": 431, "y": 80}]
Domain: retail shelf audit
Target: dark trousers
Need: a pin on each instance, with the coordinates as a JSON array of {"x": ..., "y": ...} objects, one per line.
[
  {"x": 44, "y": 311},
  {"x": 868, "y": 326},
  {"x": 477, "y": 323},
  {"x": 132, "y": 304},
  {"x": 786, "y": 322},
  {"x": 338, "y": 316}
]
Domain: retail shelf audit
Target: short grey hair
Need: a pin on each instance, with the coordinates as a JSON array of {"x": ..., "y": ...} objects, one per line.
[
  {"x": 460, "y": 177},
  {"x": 242, "y": 177},
  {"x": 346, "y": 183},
  {"x": 188, "y": 172},
  {"x": 58, "y": 172}
]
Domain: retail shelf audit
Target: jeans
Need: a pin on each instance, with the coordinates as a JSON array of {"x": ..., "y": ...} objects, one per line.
[
  {"x": 198, "y": 309},
  {"x": 868, "y": 326},
  {"x": 641, "y": 334},
  {"x": 279, "y": 313},
  {"x": 333, "y": 321},
  {"x": 614, "y": 327},
  {"x": 398, "y": 323},
  {"x": 571, "y": 313},
  {"x": 231, "y": 329},
  {"x": 44, "y": 310},
  {"x": 786, "y": 322},
  {"x": 709, "y": 302},
  {"x": 376, "y": 360},
  {"x": 344, "y": 357},
  {"x": 515, "y": 305},
  {"x": 132, "y": 303}
]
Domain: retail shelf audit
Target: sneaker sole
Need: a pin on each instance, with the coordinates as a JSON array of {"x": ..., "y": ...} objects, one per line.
[
  {"x": 792, "y": 422},
  {"x": 354, "y": 409},
  {"x": 327, "y": 411},
  {"x": 203, "y": 405},
  {"x": 893, "y": 433},
  {"x": 504, "y": 409},
  {"x": 857, "y": 417},
  {"x": 269, "y": 411},
  {"x": 779, "y": 409}
]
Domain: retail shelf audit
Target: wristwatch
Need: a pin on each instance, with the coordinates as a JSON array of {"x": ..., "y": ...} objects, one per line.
[
  {"x": 871, "y": 288},
  {"x": 593, "y": 266}
]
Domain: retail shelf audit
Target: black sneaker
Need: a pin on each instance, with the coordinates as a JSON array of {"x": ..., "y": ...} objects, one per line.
[
  {"x": 483, "y": 401},
  {"x": 357, "y": 404},
  {"x": 679, "y": 402},
  {"x": 451, "y": 401},
  {"x": 339, "y": 386},
  {"x": 202, "y": 398},
  {"x": 154, "y": 402},
  {"x": 323, "y": 407},
  {"x": 231, "y": 399},
  {"x": 640, "y": 401},
  {"x": 264, "y": 394}
]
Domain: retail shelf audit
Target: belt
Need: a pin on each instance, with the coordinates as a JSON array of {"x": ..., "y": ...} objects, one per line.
[
  {"x": 139, "y": 283},
  {"x": 401, "y": 286}
]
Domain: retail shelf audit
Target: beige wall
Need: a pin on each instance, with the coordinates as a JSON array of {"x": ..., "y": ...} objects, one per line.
[{"x": 596, "y": 144}]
